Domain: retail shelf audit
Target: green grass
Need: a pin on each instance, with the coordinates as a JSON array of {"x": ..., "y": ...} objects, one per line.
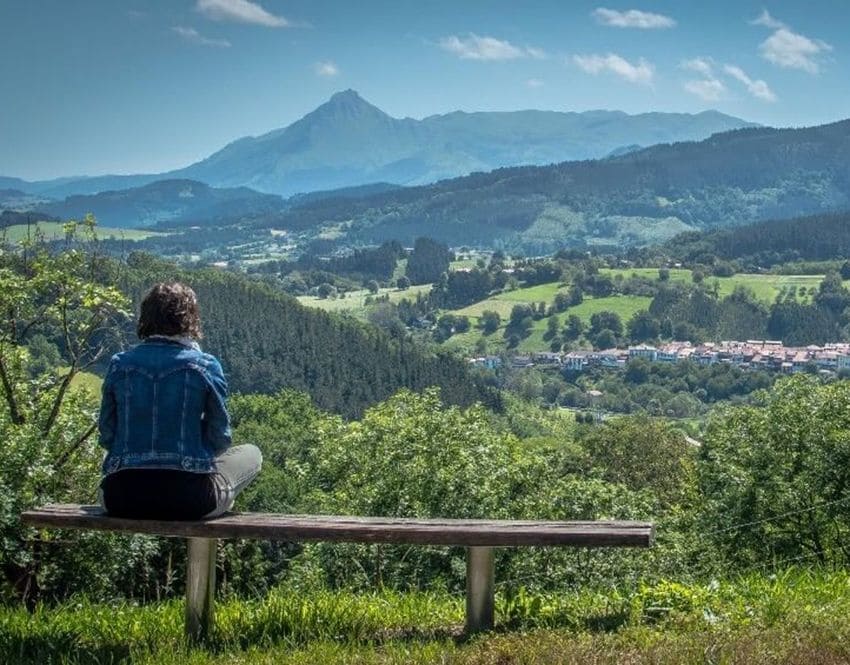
[
  {"x": 624, "y": 306},
  {"x": 83, "y": 380},
  {"x": 503, "y": 303},
  {"x": 796, "y": 616},
  {"x": 463, "y": 264},
  {"x": 765, "y": 287},
  {"x": 533, "y": 294},
  {"x": 676, "y": 274},
  {"x": 354, "y": 302},
  {"x": 54, "y": 231}
]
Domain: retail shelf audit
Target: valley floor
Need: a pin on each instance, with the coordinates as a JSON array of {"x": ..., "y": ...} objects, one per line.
[{"x": 793, "y": 617}]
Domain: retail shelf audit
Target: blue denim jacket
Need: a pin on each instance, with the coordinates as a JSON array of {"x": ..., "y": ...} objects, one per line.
[{"x": 164, "y": 407}]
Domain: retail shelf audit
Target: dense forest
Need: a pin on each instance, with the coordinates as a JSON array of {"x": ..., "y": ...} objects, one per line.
[
  {"x": 764, "y": 244},
  {"x": 268, "y": 341}
]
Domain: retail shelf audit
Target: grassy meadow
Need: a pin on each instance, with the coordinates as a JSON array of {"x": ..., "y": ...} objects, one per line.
[
  {"x": 55, "y": 231},
  {"x": 796, "y": 616},
  {"x": 354, "y": 302},
  {"x": 766, "y": 287},
  {"x": 503, "y": 303}
]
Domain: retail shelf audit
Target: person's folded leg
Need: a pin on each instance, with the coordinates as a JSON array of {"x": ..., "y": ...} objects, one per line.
[{"x": 235, "y": 468}]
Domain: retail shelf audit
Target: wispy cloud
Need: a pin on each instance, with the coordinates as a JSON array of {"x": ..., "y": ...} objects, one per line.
[
  {"x": 768, "y": 21},
  {"x": 474, "y": 47},
  {"x": 787, "y": 48},
  {"x": 702, "y": 66},
  {"x": 535, "y": 83},
  {"x": 708, "y": 88},
  {"x": 240, "y": 11},
  {"x": 633, "y": 18},
  {"x": 194, "y": 37},
  {"x": 326, "y": 68},
  {"x": 756, "y": 87},
  {"x": 639, "y": 72}
]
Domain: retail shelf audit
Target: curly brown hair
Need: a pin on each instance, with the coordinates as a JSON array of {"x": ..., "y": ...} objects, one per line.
[{"x": 170, "y": 308}]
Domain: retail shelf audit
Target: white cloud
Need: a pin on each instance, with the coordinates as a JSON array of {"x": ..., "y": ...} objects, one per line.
[
  {"x": 240, "y": 11},
  {"x": 768, "y": 21},
  {"x": 194, "y": 37},
  {"x": 699, "y": 65},
  {"x": 474, "y": 47},
  {"x": 633, "y": 18},
  {"x": 787, "y": 48},
  {"x": 757, "y": 88},
  {"x": 710, "y": 90},
  {"x": 640, "y": 72},
  {"x": 535, "y": 83},
  {"x": 326, "y": 68}
]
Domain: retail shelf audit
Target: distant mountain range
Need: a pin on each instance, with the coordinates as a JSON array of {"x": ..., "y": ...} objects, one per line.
[
  {"x": 646, "y": 196},
  {"x": 347, "y": 142},
  {"x": 167, "y": 201}
]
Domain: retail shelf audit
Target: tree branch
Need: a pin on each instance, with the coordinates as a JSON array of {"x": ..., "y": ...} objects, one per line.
[
  {"x": 60, "y": 397},
  {"x": 64, "y": 457},
  {"x": 15, "y": 414}
]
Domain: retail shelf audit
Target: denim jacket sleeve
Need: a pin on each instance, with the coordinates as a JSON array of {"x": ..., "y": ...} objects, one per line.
[
  {"x": 106, "y": 421},
  {"x": 216, "y": 417}
]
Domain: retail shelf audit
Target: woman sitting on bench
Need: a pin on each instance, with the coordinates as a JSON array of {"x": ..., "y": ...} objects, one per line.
[{"x": 164, "y": 421}]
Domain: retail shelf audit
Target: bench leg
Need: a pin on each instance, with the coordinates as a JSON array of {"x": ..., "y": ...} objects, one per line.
[
  {"x": 200, "y": 587},
  {"x": 480, "y": 600}
]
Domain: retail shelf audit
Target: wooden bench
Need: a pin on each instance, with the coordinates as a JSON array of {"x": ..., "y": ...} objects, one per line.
[{"x": 478, "y": 536}]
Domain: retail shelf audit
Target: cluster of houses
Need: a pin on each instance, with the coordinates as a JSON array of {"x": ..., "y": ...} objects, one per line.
[{"x": 752, "y": 354}]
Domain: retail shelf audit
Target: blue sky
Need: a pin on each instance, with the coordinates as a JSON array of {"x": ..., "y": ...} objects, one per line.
[{"x": 108, "y": 86}]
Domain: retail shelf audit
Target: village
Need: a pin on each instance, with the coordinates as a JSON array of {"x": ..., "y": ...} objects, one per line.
[{"x": 771, "y": 355}]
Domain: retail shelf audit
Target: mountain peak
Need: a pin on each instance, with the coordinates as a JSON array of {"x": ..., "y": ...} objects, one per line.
[
  {"x": 348, "y": 96},
  {"x": 347, "y": 102}
]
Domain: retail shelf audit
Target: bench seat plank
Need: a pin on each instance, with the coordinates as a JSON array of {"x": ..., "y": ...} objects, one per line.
[{"x": 269, "y": 526}]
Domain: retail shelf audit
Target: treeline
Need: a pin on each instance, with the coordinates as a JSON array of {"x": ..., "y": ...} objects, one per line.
[
  {"x": 13, "y": 217},
  {"x": 677, "y": 390},
  {"x": 765, "y": 244},
  {"x": 377, "y": 263},
  {"x": 209, "y": 242},
  {"x": 697, "y": 313}
]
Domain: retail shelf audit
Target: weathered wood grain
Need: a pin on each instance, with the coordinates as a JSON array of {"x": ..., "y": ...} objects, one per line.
[{"x": 266, "y": 526}]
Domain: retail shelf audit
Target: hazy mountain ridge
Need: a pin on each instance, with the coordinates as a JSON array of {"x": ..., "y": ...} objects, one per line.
[
  {"x": 347, "y": 142},
  {"x": 167, "y": 201},
  {"x": 650, "y": 195}
]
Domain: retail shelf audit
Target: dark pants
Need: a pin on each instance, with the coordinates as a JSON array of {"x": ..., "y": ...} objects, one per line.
[{"x": 173, "y": 494}]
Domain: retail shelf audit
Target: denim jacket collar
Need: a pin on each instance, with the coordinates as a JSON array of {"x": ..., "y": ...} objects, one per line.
[{"x": 188, "y": 342}]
